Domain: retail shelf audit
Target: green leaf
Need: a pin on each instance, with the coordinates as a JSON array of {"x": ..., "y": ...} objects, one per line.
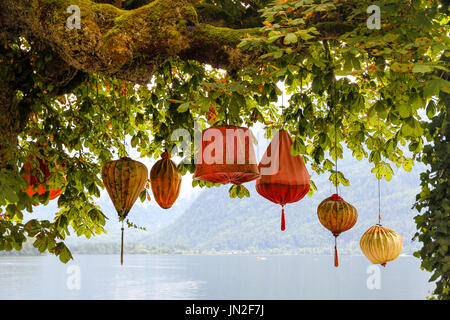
[
  {"x": 305, "y": 35},
  {"x": 298, "y": 147},
  {"x": 233, "y": 191},
  {"x": 183, "y": 107},
  {"x": 404, "y": 110},
  {"x": 381, "y": 109},
  {"x": 143, "y": 195},
  {"x": 290, "y": 38},
  {"x": 343, "y": 179},
  {"x": 431, "y": 109},
  {"x": 422, "y": 68},
  {"x": 432, "y": 87}
]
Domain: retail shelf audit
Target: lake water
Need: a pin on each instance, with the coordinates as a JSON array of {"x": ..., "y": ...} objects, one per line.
[{"x": 211, "y": 277}]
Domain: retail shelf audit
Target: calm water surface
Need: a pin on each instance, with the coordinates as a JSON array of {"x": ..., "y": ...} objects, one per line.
[{"x": 210, "y": 277}]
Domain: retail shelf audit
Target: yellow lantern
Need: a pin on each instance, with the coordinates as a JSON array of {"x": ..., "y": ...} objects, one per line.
[
  {"x": 124, "y": 180},
  {"x": 380, "y": 244}
]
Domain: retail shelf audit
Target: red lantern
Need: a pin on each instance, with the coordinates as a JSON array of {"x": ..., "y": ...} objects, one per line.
[
  {"x": 226, "y": 156},
  {"x": 287, "y": 179},
  {"x": 33, "y": 181}
]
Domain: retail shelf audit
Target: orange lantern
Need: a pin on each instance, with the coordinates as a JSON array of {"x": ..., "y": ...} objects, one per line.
[
  {"x": 35, "y": 185},
  {"x": 288, "y": 179},
  {"x": 166, "y": 181},
  {"x": 337, "y": 216},
  {"x": 226, "y": 156}
]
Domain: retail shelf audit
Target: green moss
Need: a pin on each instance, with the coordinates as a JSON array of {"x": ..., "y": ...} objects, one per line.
[
  {"x": 224, "y": 36},
  {"x": 158, "y": 27},
  {"x": 114, "y": 41}
]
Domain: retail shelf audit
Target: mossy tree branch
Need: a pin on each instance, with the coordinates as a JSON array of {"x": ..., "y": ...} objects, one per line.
[{"x": 128, "y": 44}]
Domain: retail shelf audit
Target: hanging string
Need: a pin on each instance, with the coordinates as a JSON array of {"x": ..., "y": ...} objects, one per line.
[
  {"x": 283, "y": 221},
  {"x": 379, "y": 202},
  {"x": 124, "y": 142},
  {"x": 124, "y": 135},
  {"x": 335, "y": 146},
  {"x": 282, "y": 107},
  {"x": 379, "y": 185},
  {"x": 333, "y": 106}
]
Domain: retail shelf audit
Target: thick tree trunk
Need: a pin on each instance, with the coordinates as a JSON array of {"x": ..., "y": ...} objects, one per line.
[{"x": 11, "y": 124}]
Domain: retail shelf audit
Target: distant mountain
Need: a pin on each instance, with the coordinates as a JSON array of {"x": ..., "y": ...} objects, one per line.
[{"x": 215, "y": 222}]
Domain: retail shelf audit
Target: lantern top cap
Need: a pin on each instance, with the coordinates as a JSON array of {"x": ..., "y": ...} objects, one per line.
[
  {"x": 336, "y": 197},
  {"x": 165, "y": 155}
]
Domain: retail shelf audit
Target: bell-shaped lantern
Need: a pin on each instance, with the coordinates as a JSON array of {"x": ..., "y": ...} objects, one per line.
[
  {"x": 166, "y": 181},
  {"x": 338, "y": 216},
  {"x": 124, "y": 180},
  {"x": 380, "y": 244},
  {"x": 284, "y": 177},
  {"x": 226, "y": 156}
]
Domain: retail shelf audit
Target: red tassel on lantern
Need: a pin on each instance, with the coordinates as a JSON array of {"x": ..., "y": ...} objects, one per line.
[
  {"x": 284, "y": 178},
  {"x": 227, "y": 156},
  {"x": 336, "y": 261}
]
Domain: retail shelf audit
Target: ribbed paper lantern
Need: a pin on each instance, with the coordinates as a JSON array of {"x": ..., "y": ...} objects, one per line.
[
  {"x": 380, "y": 244},
  {"x": 337, "y": 216},
  {"x": 124, "y": 180},
  {"x": 226, "y": 156},
  {"x": 289, "y": 179},
  {"x": 166, "y": 181},
  {"x": 35, "y": 184}
]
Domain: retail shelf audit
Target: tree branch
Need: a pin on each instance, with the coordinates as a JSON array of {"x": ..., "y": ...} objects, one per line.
[{"x": 128, "y": 44}]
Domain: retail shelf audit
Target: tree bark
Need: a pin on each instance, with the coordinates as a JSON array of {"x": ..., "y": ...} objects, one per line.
[
  {"x": 127, "y": 44},
  {"x": 130, "y": 44},
  {"x": 11, "y": 124}
]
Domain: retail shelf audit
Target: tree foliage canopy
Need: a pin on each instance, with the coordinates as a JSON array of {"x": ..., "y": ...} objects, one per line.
[
  {"x": 434, "y": 199},
  {"x": 142, "y": 69}
]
